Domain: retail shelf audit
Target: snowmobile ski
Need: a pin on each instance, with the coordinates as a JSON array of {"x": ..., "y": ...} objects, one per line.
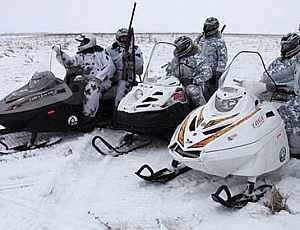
[
  {"x": 129, "y": 144},
  {"x": 162, "y": 175},
  {"x": 26, "y": 146},
  {"x": 240, "y": 200}
]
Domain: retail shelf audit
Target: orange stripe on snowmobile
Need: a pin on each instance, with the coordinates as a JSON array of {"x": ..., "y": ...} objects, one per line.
[
  {"x": 200, "y": 118},
  {"x": 181, "y": 131},
  {"x": 214, "y": 122},
  {"x": 221, "y": 132}
]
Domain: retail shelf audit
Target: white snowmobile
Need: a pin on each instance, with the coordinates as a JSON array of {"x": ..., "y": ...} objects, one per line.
[
  {"x": 235, "y": 133},
  {"x": 152, "y": 108}
]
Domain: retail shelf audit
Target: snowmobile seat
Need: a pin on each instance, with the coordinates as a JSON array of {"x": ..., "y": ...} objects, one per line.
[{"x": 110, "y": 93}]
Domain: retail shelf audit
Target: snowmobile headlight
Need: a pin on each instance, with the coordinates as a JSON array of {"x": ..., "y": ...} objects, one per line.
[
  {"x": 225, "y": 105},
  {"x": 138, "y": 94}
]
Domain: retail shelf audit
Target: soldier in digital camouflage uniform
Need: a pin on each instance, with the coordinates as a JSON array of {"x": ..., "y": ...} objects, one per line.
[
  {"x": 286, "y": 70},
  {"x": 213, "y": 47},
  {"x": 117, "y": 53},
  {"x": 192, "y": 70},
  {"x": 97, "y": 69}
]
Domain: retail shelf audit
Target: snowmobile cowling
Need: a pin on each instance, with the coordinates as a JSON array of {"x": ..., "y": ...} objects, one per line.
[{"x": 236, "y": 132}]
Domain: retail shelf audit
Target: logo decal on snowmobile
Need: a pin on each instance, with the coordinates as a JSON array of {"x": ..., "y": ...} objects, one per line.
[
  {"x": 232, "y": 137},
  {"x": 72, "y": 120},
  {"x": 282, "y": 154},
  {"x": 41, "y": 95},
  {"x": 31, "y": 99},
  {"x": 258, "y": 122},
  {"x": 279, "y": 135}
]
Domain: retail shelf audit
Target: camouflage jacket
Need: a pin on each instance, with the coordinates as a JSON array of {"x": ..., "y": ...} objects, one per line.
[
  {"x": 96, "y": 64},
  {"x": 193, "y": 67},
  {"x": 117, "y": 52},
  {"x": 283, "y": 70},
  {"x": 215, "y": 50}
]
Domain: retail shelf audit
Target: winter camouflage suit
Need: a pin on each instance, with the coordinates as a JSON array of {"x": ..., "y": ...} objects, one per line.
[
  {"x": 287, "y": 71},
  {"x": 95, "y": 64},
  {"x": 193, "y": 72},
  {"x": 116, "y": 51},
  {"x": 214, "y": 48}
]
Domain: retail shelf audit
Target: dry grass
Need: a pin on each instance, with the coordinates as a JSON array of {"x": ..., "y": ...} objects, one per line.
[{"x": 277, "y": 202}]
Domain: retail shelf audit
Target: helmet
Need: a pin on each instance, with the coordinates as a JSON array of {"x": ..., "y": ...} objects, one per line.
[
  {"x": 184, "y": 45},
  {"x": 86, "y": 41},
  {"x": 211, "y": 26},
  {"x": 290, "y": 45},
  {"x": 121, "y": 36}
]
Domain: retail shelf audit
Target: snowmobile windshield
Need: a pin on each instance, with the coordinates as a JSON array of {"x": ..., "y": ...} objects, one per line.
[
  {"x": 246, "y": 65},
  {"x": 160, "y": 57},
  {"x": 47, "y": 76},
  {"x": 226, "y": 104},
  {"x": 51, "y": 64},
  {"x": 42, "y": 80}
]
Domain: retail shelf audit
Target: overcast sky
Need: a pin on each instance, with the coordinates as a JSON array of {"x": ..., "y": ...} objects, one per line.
[{"x": 252, "y": 16}]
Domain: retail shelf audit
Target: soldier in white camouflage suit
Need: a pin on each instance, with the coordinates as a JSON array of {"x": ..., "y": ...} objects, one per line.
[
  {"x": 119, "y": 56},
  {"x": 192, "y": 70},
  {"x": 213, "y": 47},
  {"x": 286, "y": 70},
  {"x": 97, "y": 68}
]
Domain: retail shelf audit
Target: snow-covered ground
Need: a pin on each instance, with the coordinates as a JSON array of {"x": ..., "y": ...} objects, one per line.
[{"x": 69, "y": 186}]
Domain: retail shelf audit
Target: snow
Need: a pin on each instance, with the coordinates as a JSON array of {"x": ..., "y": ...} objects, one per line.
[{"x": 69, "y": 186}]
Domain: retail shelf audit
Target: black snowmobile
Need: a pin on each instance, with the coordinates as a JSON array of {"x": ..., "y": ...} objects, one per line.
[{"x": 49, "y": 104}]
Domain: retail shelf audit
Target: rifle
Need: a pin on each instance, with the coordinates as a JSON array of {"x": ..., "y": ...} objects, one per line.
[
  {"x": 129, "y": 58},
  {"x": 223, "y": 28}
]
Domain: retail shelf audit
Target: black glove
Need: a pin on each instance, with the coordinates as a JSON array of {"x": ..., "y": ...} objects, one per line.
[
  {"x": 186, "y": 81},
  {"x": 217, "y": 74}
]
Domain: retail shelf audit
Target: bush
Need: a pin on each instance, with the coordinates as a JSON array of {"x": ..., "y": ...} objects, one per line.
[{"x": 277, "y": 201}]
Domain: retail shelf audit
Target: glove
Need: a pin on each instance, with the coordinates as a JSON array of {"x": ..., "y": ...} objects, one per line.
[
  {"x": 186, "y": 81},
  {"x": 255, "y": 87},
  {"x": 96, "y": 80},
  {"x": 265, "y": 78},
  {"x": 56, "y": 49},
  {"x": 217, "y": 74},
  {"x": 127, "y": 56}
]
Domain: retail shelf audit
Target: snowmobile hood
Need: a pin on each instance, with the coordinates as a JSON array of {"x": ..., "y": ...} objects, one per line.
[
  {"x": 158, "y": 90},
  {"x": 43, "y": 89},
  {"x": 228, "y": 109},
  {"x": 147, "y": 97}
]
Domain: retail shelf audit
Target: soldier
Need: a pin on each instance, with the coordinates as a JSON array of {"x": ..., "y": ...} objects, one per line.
[
  {"x": 286, "y": 69},
  {"x": 213, "y": 47},
  {"x": 191, "y": 69},
  {"x": 97, "y": 68},
  {"x": 120, "y": 58}
]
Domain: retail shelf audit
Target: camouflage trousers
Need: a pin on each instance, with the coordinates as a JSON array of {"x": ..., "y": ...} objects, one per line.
[
  {"x": 92, "y": 95},
  {"x": 123, "y": 88},
  {"x": 195, "y": 94},
  {"x": 290, "y": 113}
]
